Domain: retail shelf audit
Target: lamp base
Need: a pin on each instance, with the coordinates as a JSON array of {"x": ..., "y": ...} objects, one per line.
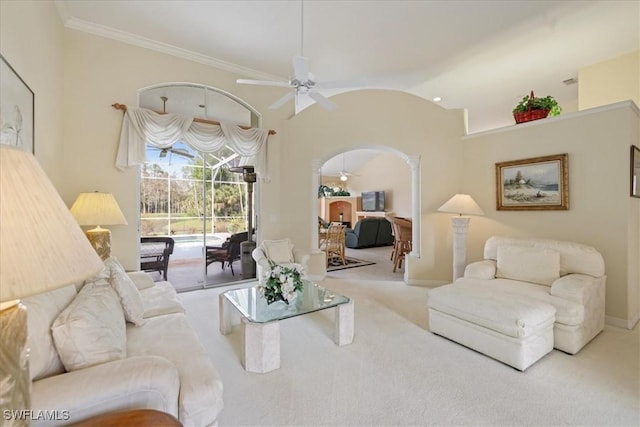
[
  {"x": 14, "y": 366},
  {"x": 460, "y": 228},
  {"x": 100, "y": 239}
]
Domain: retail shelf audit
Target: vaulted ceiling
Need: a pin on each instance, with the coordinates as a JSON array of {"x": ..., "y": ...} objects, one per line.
[{"x": 483, "y": 56}]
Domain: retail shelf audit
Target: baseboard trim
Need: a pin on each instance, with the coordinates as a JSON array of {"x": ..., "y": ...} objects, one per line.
[{"x": 622, "y": 323}]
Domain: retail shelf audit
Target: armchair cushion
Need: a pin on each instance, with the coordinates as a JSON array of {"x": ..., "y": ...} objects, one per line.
[
  {"x": 281, "y": 252},
  {"x": 535, "y": 265},
  {"x": 278, "y": 251},
  {"x": 91, "y": 330}
]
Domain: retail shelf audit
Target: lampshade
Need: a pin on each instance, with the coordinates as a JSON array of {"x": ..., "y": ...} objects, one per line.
[
  {"x": 461, "y": 204},
  {"x": 41, "y": 245},
  {"x": 97, "y": 209}
]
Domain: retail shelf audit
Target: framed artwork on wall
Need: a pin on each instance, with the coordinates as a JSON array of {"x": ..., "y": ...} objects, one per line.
[
  {"x": 16, "y": 109},
  {"x": 635, "y": 171},
  {"x": 539, "y": 183}
]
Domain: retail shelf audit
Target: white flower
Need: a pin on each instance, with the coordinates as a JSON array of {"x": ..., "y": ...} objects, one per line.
[{"x": 287, "y": 287}]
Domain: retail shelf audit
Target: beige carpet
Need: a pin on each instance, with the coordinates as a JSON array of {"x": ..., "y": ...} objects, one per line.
[{"x": 397, "y": 373}]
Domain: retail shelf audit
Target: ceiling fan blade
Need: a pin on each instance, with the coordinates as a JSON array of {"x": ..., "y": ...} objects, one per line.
[
  {"x": 181, "y": 152},
  {"x": 343, "y": 84},
  {"x": 301, "y": 68},
  {"x": 262, "y": 83},
  {"x": 280, "y": 102},
  {"x": 322, "y": 100}
]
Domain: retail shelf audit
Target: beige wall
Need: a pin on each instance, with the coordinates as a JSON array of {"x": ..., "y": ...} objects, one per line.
[
  {"x": 31, "y": 41},
  {"x": 601, "y": 212},
  {"x": 375, "y": 119},
  {"x": 99, "y": 72},
  {"x": 610, "y": 81},
  {"x": 389, "y": 173}
]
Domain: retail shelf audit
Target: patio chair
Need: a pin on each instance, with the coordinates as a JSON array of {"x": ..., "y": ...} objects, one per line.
[
  {"x": 228, "y": 253},
  {"x": 155, "y": 253}
]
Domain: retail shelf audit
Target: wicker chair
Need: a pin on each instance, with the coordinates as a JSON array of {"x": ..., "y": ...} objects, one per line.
[
  {"x": 335, "y": 243},
  {"x": 402, "y": 230},
  {"x": 155, "y": 253}
]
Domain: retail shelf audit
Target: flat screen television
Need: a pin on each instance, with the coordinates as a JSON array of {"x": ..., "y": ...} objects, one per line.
[{"x": 373, "y": 201}]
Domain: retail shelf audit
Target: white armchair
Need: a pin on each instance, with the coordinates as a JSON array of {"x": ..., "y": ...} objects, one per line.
[{"x": 281, "y": 252}]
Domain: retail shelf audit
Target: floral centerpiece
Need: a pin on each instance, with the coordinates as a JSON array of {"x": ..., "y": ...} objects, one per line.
[{"x": 281, "y": 284}]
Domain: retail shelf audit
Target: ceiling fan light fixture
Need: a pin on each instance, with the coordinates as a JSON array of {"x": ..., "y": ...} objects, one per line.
[{"x": 343, "y": 177}]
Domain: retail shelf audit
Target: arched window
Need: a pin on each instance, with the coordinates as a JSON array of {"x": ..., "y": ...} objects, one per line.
[{"x": 192, "y": 196}]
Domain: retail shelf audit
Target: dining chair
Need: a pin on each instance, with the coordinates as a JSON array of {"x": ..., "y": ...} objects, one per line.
[
  {"x": 402, "y": 230},
  {"x": 335, "y": 243}
]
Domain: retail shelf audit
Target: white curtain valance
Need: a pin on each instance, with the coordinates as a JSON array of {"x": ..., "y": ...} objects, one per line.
[{"x": 141, "y": 126}]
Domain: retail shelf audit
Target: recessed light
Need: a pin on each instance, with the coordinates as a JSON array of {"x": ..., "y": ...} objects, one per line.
[{"x": 437, "y": 99}]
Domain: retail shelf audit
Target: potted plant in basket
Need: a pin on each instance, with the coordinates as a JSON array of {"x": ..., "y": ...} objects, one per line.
[{"x": 534, "y": 108}]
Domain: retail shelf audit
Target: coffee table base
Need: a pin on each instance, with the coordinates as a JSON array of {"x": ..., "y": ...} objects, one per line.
[{"x": 261, "y": 341}]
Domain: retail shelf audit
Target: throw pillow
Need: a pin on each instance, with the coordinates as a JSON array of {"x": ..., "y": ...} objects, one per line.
[
  {"x": 141, "y": 279},
  {"x": 536, "y": 265},
  {"x": 91, "y": 330},
  {"x": 127, "y": 291},
  {"x": 278, "y": 251}
]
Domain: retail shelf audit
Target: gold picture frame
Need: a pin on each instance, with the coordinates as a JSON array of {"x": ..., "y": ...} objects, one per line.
[{"x": 535, "y": 184}]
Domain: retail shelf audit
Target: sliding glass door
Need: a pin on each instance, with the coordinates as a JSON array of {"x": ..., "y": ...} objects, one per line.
[{"x": 195, "y": 199}]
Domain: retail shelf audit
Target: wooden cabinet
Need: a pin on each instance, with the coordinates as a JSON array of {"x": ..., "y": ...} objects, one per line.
[{"x": 330, "y": 209}]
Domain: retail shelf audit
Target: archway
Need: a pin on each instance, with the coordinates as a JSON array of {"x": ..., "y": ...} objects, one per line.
[{"x": 414, "y": 164}]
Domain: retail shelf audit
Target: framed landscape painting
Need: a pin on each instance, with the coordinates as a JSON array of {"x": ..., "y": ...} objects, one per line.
[
  {"x": 16, "y": 109},
  {"x": 539, "y": 183}
]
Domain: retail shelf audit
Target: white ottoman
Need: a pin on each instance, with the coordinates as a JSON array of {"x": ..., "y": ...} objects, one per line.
[{"x": 508, "y": 328}]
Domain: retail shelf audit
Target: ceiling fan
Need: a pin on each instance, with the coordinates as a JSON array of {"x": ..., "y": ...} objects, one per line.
[
  {"x": 303, "y": 82},
  {"x": 170, "y": 150},
  {"x": 344, "y": 175}
]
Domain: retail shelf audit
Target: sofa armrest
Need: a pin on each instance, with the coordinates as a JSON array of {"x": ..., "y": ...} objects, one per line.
[
  {"x": 485, "y": 269},
  {"x": 141, "y": 279},
  {"x": 574, "y": 287},
  {"x": 140, "y": 382},
  {"x": 260, "y": 258}
]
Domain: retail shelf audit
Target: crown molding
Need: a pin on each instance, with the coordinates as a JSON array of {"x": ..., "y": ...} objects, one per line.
[{"x": 146, "y": 43}]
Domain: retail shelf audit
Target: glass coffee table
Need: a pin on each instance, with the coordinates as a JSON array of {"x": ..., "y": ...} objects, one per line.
[{"x": 260, "y": 321}]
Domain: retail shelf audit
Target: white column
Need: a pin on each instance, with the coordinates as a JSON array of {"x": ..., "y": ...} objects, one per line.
[
  {"x": 414, "y": 163},
  {"x": 460, "y": 228},
  {"x": 316, "y": 165}
]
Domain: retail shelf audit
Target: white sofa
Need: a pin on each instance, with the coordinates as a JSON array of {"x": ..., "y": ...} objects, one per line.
[
  {"x": 86, "y": 361},
  {"x": 520, "y": 284},
  {"x": 282, "y": 252}
]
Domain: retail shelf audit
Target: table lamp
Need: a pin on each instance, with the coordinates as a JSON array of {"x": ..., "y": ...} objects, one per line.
[
  {"x": 41, "y": 248},
  {"x": 461, "y": 204},
  {"x": 96, "y": 209}
]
